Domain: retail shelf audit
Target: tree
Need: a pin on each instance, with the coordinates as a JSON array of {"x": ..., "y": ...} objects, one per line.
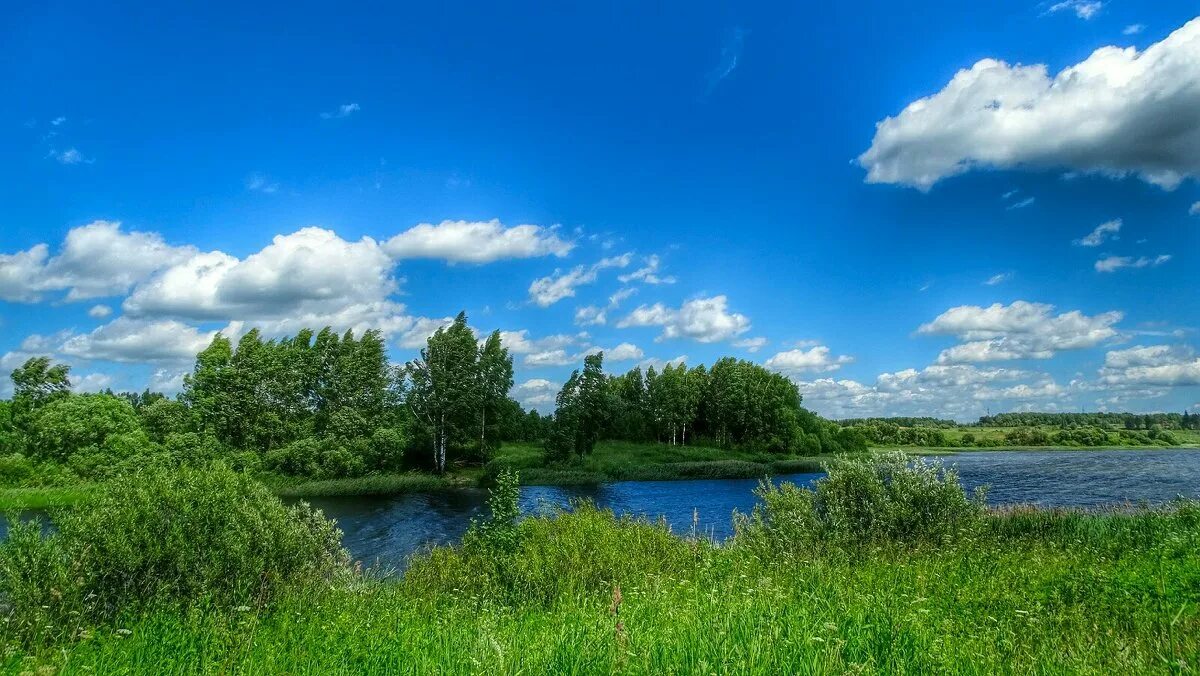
[
  {"x": 36, "y": 383},
  {"x": 495, "y": 380},
  {"x": 71, "y": 424},
  {"x": 443, "y": 387},
  {"x": 595, "y": 408}
]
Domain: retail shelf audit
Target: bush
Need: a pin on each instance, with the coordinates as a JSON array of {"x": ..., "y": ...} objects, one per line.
[
  {"x": 14, "y": 468},
  {"x": 320, "y": 458},
  {"x": 163, "y": 538},
  {"x": 73, "y": 423},
  {"x": 888, "y": 499}
]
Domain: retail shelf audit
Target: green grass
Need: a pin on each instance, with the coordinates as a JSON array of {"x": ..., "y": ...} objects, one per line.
[
  {"x": 44, "y": 498},
  {"x": 385, "y": 484},
  {"x": 626, "y": 461},
  {"x": 1028, "y": 592}
]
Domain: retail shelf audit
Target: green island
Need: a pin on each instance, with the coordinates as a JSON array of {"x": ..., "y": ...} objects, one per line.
[{"x": 188, "y": 559}]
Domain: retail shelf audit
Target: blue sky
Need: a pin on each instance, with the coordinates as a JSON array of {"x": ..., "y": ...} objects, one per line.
[{"x": 826, "y": 190}]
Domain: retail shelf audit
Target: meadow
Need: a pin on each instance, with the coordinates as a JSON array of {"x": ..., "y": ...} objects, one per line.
[{"x": 883, "y": 569}]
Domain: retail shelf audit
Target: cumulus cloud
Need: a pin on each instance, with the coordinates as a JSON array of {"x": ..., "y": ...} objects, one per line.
[
  {"x": 1022, "y": 330},
  {"x": 622, "y": 352},
  {"x": 1114, "y": 263},
  {"x": 1118, "y": 112},
  {"x": 1101, "y": 233},
  {"x": 1152, "y": 366},
  {"x": 138, "y": 341},
  {"x": 99, "y": 311},
  {"x": 476, "y": 242},
  {"x": 95, "y": 260},
  {"x": 704, "y": 320},
  {"x": 309, "y": 271},
  {"x": 535, "y": 393},
  {"x": 91, "y": 382},
  {"x": 546, "y": 291},
  {"x": 817, "y": 359},
  {"x": 957, "y": 391}
]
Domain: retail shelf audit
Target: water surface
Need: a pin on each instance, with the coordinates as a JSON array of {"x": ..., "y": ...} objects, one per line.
[{"x": 386, "y": 530}]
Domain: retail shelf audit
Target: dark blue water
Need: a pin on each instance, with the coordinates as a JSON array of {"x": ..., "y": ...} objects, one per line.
[{"x": 386, "y": 530}]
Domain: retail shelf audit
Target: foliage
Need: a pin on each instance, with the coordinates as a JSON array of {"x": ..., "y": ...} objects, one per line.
[
  {"x": 498, "y": 533},
  {"x": 886, "y": 499},
  {"x": 76, "y": 423},
  {"x": 162, "y": 538}
]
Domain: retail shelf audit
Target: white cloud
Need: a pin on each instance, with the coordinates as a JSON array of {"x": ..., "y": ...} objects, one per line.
[
  {"x": 138, "y": 341},
  {"x": 547, "y": 291},
  {"x": 70, "y": 156},
  {"x": 1153, "y": 366},
  {"x": 344, "y": 110},
  {"x": 519, "y": 342},
  {"x": 311, "y": 271},
  {"x": 1114, "y": 263},
  {"x": 1101, "y": 233},
  {"x": 95, "y": 260},
  {"x": 535, "y": 393},
  {"x": 622, "y": 352},
  {"x": 590, "y": 315},
  {"x": 1084, "y": 9},
  {"x": 1022, "y": 203},
  {"x": 167, "y": 381},
  {"x": 99, "y": 311},
  {"x": 998, "y": 278},
  {"x": 1194, "y": 210},
  {"x": 954, "y": 391},
  {"x": 91, "y": 382},
  {"x": 1022, "y": 330},
  {"x": 476, "y": 242},
  {"x": 751, "y": 344},
  {"x": 259, "y": 183},
  {"x": 648, "y": 274},
  {"x": 705, "y": 320},
  {"x": 58, "y": 121},
  {"x": 1133, "y": 29},
  {"x": 817, "y": 359},
  {"x": 1118, "y": 112}
]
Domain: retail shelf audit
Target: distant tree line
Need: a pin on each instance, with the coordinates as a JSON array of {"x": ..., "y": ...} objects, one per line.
[
  {"x": 1128, "y": 421},
  {"x": 733, "y": 404},
  {"x": 901, "y": 421}
]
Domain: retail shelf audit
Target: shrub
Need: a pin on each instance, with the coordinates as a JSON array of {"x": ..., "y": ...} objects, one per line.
[
  {"x": 499, "y": 531},
  {"x": 174, "y": 538},
  {"x": 14, "y": 468},
  {"x": 888, "y": 499},
  {"x": 73, "y": 423}
]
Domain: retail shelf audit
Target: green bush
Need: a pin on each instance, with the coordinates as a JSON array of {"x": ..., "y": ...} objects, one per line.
[
  {"x": 14, "y": 469},
  {"x": 163, "y": 537},
  {"x": 886, "y": 499},
  {"x": 71, "y": 424}
]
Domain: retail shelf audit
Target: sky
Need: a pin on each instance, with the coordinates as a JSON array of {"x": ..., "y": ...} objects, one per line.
[{"x": 971, "y": 208}]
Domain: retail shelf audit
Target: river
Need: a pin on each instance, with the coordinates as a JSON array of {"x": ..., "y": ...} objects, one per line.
[{"x": 386, "y": 530}]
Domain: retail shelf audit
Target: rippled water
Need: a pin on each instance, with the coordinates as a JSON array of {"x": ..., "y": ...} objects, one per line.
[{"x": 385, "y": 530}]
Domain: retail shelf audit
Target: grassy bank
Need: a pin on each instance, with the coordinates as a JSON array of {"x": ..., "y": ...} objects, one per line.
[
  {"x": 625, "y": 461},
  {"x": 1022, "y": 592},
  {"x": 43, "y": 498}
]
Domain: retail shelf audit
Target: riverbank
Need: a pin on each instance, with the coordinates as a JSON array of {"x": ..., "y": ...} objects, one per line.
[
  {"x": 1023, "y": 592},
  {"x": 609, "y": 462}
]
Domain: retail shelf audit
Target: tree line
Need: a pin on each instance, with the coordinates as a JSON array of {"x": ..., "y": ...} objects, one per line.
[{"x": 733, "y": 404}]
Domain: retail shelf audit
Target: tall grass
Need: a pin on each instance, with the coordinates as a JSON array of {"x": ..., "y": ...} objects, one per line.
[{"x": 809, "y": 584}]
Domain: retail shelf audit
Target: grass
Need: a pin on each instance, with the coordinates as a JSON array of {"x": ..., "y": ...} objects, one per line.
[
  {"x": 626, "y": 461},
  {"x": 1027, "y": 592},
  {"x": 44, "y": 498},
  {"x": 386, "y": 484}
]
